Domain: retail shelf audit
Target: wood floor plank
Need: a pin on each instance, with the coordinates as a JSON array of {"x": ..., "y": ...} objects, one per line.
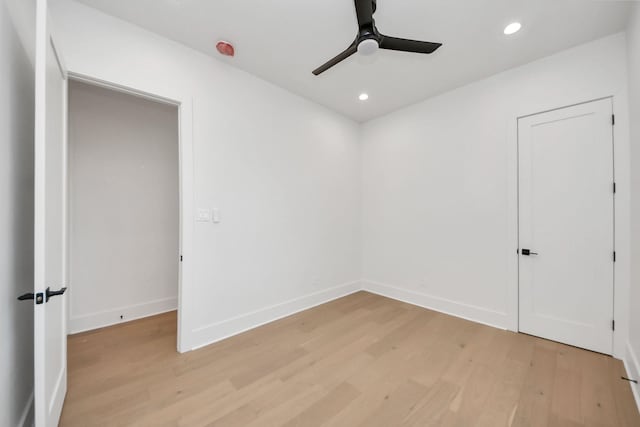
[
  {"x": 597, "y": 404},
  {"x": 361, "y": 360},
  {"x": 566, "y": 405},
  {"x": 534, "y": 406},
  {"x": 322, "y": 410},
  {"x": 397, "y": 405},
  {"x": 434, "y": 407}
]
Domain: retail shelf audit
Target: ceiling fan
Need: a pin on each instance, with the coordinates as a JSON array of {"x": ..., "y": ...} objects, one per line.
[{"x": 369, "y": 39}]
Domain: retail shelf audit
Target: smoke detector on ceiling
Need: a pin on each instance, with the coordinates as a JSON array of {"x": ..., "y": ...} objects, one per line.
[{"x": 225, "y": 48}]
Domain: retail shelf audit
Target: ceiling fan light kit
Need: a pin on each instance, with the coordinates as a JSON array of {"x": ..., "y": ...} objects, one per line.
[
  {"x": 369, "y": 39},
  {"x": 368, "y": 47}
]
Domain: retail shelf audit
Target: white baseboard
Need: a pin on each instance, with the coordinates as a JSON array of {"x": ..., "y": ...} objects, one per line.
[
  {"x": 26, "y": 419},
  {"x": 633, "y": 371},
  {"x": 112, "y": 317},
  {"x": 227, "y": 328},
  {"x": 472, "y": 313}
]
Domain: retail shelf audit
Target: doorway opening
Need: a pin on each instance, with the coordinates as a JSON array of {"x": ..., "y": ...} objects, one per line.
[{"x": 124, "y": 210}]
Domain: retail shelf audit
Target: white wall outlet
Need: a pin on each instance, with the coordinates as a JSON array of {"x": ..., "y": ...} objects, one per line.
[
  {"x": 216, "y": 215},
  {"x": 203, "y": 215}
]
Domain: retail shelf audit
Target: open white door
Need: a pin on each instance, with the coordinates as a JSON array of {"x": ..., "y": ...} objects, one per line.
[
  {"x": 566, "y": 225},
  {"x": 50, "y": 345}
]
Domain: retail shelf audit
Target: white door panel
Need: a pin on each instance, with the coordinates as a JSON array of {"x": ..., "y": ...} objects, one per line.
[
  {"x": 50, "y": 359},
  {"x": 566, "y": 217}
]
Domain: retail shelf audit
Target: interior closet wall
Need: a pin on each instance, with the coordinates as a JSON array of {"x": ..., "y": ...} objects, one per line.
[{"x": 124, "y": 207}]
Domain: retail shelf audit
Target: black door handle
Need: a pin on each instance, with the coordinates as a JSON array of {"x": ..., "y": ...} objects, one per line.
[
  {"x": 49, "y": 293},
  {"x": 25, "y": 297},
  {"x": 39, "y": 297},
  {"x": 528, "y": 252},
  {"x": 29, "y": 296}
]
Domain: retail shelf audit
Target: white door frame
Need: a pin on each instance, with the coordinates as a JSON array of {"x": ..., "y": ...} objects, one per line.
[
  {"x": 622, "y": 210},
  {"x": 186, "y": 192}
]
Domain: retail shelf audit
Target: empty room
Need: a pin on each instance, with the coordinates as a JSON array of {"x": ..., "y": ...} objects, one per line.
[{"x": 331, "y": 213}]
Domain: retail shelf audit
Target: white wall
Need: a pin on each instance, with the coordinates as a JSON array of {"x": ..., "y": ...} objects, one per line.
[
  {"x": 284, "y": 172},
  {"x": 124, "y": 207},
  {"x": 439, "y": 210},
  {"x": 17, "y": 23},
  {"x": 633, "y": 58}
]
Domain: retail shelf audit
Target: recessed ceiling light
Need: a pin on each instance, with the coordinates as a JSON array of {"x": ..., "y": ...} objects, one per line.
[
  {"x": 363, "y": 97},
  {"x": 512, "y": 28}
]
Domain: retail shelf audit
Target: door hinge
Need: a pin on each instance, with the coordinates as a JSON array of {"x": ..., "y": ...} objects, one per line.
[
  {"x": 614, "y": 188},
  {"x": 614, "y": 256},
  {"x": 613, "y": 325},
  {"x": 180, "y": 258},
  {"x": 613, "y": 120}
]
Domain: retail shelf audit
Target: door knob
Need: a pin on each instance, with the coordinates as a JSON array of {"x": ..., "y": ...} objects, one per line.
[{"x": 528, "y": 252}]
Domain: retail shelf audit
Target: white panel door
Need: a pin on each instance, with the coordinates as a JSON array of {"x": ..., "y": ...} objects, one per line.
[
  {"x": 566, "y": 222},
  {"x": 50, "y": 351}
]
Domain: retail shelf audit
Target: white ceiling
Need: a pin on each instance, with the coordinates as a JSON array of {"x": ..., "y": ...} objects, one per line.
[{"x": 282, "y": 41}]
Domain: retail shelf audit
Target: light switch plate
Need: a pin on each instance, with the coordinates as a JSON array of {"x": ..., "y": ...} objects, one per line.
[
  {"x": 203, "y": 215},
  {"x": 215, "y": 214}
]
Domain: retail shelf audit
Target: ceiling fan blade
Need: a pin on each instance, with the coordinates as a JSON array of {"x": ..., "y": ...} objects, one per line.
[
  {"x": 341, "y": 57},
  {"x": 364, "y": 11},
  {"x": 405, "y": 45}
]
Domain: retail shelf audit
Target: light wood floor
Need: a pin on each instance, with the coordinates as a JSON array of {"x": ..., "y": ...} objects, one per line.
[{"x": 362, "y": 360}]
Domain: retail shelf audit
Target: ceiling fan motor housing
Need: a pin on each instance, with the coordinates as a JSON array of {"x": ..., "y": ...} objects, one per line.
[{"x": 368, "y": 32}]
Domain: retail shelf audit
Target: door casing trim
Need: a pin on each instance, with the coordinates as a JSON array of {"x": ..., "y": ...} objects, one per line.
[{"x": 622, "y": 210}]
